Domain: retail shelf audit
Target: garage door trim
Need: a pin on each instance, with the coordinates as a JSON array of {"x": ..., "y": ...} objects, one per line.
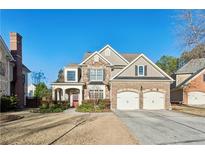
[
  {"x": 133, "y": 102},
  {"x": 156, "y": 91}
]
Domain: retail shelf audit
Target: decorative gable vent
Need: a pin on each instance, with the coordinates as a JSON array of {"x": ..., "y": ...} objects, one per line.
[
  {"x": 96, "y": 58},
  {"x": 107, "y": 52}
]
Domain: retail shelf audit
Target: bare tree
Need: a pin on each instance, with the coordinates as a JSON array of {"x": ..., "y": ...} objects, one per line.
[{"x": 191, "y": 28}]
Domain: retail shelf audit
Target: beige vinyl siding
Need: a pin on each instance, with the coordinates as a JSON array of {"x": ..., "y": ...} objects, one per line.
[
  {"x": 151, "y": 71},
  {"x": 181, "y": 77},
  {"x": 113, "y": 57}
]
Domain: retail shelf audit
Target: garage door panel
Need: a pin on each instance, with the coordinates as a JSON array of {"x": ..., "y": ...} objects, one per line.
[
  {"x": 127, "y": 101},
  {"x": 153, "y": 100},
  {"x": 196, "y": 98}
]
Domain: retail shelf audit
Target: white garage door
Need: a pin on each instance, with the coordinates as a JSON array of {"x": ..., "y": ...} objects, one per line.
[
  {"x": 196, "y": 98},
  {"x": 153, "y": 100},
  {"x": 127, "y": 101}
]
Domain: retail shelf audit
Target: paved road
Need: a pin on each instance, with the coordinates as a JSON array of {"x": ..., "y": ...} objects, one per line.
[{"x": 164, "y": 127}]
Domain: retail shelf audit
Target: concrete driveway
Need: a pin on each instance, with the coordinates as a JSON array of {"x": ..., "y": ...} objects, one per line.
[{"x": 164, "y": 127}]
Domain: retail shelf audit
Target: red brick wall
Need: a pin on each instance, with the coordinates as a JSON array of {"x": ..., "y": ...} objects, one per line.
[{"x": 195, "y": 85}]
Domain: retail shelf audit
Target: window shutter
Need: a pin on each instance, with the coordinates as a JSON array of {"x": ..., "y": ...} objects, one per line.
[
  {"x": 145, "y": 70},
  {"x": 88, "y": 74},
  {"x": 103, "y": 74},
  {"x": 136, "y": 70}
]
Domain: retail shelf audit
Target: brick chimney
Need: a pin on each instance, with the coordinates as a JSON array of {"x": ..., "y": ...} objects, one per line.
[{"x": 16, "y": 51}]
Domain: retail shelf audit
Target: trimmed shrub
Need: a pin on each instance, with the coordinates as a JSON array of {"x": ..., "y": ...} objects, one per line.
[
  {"x": 102, "y": 105},
  {"x": 8, "y": 103},
  {"x": 51, "y": 107}
]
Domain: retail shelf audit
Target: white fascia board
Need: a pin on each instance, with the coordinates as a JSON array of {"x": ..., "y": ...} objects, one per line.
[
  {"x": 94, "y": 53},
  {"x": 108, "y": 46}
]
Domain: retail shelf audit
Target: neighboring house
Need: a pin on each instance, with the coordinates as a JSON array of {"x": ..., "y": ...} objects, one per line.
[
  {"x": 31, "y": 90},
  {"x": 130, "y": 81},
  {"x": 6, "y": 67},
  {"x": 189, "y": 87},
  {"x": 13, "y": 74}
]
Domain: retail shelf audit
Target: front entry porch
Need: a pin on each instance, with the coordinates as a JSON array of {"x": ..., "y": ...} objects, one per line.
[{"x": 68, "y": 92}]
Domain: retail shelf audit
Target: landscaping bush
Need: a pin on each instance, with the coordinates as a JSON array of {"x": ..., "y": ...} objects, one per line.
[
  {"x": 53, "y": 107},
  {"x": 102, "y": 105},
  {"x": 86, "y": 107},
  {"x": 8, "y": 103}
]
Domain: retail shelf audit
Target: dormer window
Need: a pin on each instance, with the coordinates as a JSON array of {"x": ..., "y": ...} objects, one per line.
[
  {"x": 141, "y": 70},
  {"x": 70, "y": 75}
]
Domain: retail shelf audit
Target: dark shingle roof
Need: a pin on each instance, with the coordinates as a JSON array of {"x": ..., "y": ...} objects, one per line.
[
  {"x": 192, "y": 66},
  {"x": 130, "y": 56}
]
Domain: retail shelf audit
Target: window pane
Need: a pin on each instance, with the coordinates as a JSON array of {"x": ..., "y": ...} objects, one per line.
[
  {"x": 96, "y": 74},
  {"x": 96, "y": 94},
  {"x": 141, "y": 70},
  {"x": 71, "y": 75}
]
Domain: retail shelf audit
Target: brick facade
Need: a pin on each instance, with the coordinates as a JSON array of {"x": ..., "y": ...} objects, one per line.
[
  {"x": 140, "y": 87},
  {"x": 198, "y": 84}
]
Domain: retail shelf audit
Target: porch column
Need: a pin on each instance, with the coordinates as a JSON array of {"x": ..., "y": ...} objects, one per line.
[
  {"x": 53, "y": 94},
  {"x": 80, "y": 96},
  {"x": 63, "y": 95}
]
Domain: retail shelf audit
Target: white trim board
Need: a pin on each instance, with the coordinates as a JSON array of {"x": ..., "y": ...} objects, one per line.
[
  {"x": 108, "y": 46},
  {"x": 146, "y": 58},
  {"x": 94, "y": 53}
]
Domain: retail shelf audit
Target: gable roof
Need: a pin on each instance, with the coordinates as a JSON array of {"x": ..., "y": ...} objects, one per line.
[
  {"x": 7, "y": 52},
  {"x": 93, "y": 55},
  {"x": 189, "y": 79},
  {"x": 130, "y": 56},
  {"x": 192, "y": 66},
  {"x": 154, "y": 65},
  {"x": 108, "y": 46}
]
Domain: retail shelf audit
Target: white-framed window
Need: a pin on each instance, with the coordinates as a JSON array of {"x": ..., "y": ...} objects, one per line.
[
  {"x": 141, "y": 71},
  {"x": 71, "y": 74},
  {"x": 96, "y": 94},
  {"x": 96, "y": 74}
]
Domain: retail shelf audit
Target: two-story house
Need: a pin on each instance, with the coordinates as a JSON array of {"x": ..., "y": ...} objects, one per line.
[
  {"x": 189, "y": 86},
  {"x": 13, "y": 73},
  {"x": 130, "y": 81}
]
